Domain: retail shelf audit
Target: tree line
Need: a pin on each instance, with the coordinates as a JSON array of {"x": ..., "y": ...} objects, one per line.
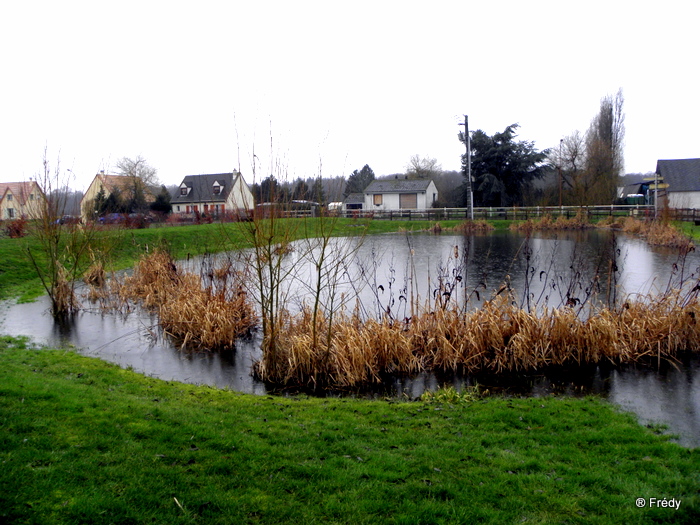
[{"x": 584, "y": 169}]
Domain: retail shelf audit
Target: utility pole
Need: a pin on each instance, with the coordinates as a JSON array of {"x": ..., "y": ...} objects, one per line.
[
  {"x": 468, "y": 144},
  {"x": 561, "y": 141}
]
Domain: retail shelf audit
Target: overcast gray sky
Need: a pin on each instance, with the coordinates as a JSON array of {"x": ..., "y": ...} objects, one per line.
[{"x": 308, "y": 87}]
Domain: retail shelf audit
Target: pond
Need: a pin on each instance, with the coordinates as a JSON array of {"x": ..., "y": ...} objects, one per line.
[{"x": 402, "y": 263}]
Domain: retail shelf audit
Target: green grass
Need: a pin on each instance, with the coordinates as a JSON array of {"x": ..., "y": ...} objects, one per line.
[
  {"x": 84, "y": 441},
  {"x": 689, "y": 229}
]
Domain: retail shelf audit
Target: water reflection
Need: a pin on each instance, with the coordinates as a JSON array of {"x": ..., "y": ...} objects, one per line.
[{"x": 413, "y": 265}]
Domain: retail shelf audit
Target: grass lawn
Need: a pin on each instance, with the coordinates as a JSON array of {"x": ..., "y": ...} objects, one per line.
[{"x": 84, "y": 441}]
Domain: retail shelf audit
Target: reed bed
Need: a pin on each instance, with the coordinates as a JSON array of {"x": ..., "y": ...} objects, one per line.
[
  {"x": 478, "y": 226},
  {"x": 500, "y": 337},
  {"x": 656, "y": 233},
  {"x": 548, "y": 223},
  {"x": 207, "y": 311}
]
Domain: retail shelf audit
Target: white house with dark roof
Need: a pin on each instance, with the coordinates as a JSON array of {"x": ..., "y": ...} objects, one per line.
[
  {"x": 683, "y": 179},
  {"x": 400, "y": 194},
  {"x": 213, "y": 194}
]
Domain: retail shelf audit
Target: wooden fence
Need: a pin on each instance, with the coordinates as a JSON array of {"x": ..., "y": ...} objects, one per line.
[{"x": 516, "y": 213}]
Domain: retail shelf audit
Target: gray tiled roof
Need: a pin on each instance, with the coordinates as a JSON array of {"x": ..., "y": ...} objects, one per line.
[
  {"x": 398, "y": 186},
  {"x": 202, "y": 188},
  {"x": 680, "y": 174},
  {"x": 355, "y": 198}
]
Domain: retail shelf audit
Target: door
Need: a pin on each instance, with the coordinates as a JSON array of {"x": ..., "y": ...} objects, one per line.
[{"x": 408, "y": 201}]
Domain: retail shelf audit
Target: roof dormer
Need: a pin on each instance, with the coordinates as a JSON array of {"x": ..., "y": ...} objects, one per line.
[
  {"x": 184, "y": 190},
  {"x": 217, "y": 187}
]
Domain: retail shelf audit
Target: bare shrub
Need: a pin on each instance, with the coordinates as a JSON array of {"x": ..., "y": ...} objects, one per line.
[
  {"x": 62, "y": 251},
  {"x": 16, "y": 228}
]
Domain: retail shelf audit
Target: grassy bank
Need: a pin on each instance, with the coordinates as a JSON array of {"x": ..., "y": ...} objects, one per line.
[
  {"x": 86, "y": 442},
  {"x": 19, "y": 279}
]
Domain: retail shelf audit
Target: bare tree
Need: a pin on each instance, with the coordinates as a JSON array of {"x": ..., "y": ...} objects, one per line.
[
  {"x": 423, "y": 167},
  {"x": 63, "y": 251},
  {"x": 569, "y": 159},
  {"x": 589, "y": 165},
  {"x": 138, "y": 168},
  {"x": 604, "y": 147},
  {"x": 143, "y": 179}
]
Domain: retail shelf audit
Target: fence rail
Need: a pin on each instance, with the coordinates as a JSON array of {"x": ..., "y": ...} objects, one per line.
[{"x": 524, "y": 213}]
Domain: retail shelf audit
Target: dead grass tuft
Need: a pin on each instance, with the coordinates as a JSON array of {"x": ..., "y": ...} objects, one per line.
[
  {"x": 548, "y": 223},
  {"x": 478, "y": 226},
  {"x": 208, "y": 313},
  {"x": 657, "y": 233}
]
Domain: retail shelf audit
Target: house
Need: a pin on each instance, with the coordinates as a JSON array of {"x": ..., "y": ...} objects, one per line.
[
  {"x": 213, "y": 194},
  {"x": 683, "y": 179},
  {"x": 400, "y": 194},
  {"x": 104, "y": 185},
  {"x": 20, "y": 199}
]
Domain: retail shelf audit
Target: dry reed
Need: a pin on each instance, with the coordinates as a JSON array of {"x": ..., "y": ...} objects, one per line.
[
  {"x": 657, "y": 233},
  {"x": 208, "y": 313},
  {"x": 478, "y": 226},
  {"x": 548, "y": 223},
  {"x": 499, "y": 337}
]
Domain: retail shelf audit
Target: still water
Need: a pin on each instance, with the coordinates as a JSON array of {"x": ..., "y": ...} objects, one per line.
[{"x": 541, "y": 271}]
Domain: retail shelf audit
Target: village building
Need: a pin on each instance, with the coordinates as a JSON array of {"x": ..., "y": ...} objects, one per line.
[
  {"x": 213, "y": 194},
  {"x": 20, "y": 200},
  {"x": 683, "y": 179},
  {"x": 105, "y": 185},
  {"x": 400, "y": 194}
]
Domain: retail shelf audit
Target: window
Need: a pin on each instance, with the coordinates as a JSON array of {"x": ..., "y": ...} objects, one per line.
[
  {"x": 31, "y": 196},
  {"x": 9, "y": 196},
  {"x": 217, "y": 189},
  {"x": 183, "y": 190},
  {"x": 10, "y": 211},
  {"x": 177, "y": 208},
  {"x": 377, "y": 199}
]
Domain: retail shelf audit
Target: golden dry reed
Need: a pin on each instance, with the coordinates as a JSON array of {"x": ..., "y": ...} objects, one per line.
[
  {"x": 209, "y": 315},
  {"x": 499, "y": 337},
  {"x": 478, "y": 226},
  {"x": 548, "y": 223},
  {"x": 657, "y": 233}
]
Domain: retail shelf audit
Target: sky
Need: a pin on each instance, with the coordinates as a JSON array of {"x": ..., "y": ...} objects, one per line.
[{"x": 309, "y": 88}]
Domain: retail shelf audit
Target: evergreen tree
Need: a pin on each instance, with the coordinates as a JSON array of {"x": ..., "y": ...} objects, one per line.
[
  {"x": 359, "y": 180},
  {"x": 502, "y": 167}
]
